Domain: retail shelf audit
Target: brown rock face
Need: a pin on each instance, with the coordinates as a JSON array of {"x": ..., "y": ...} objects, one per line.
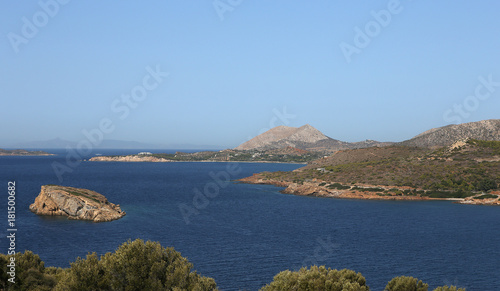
[{"x": 75, "y": 203}]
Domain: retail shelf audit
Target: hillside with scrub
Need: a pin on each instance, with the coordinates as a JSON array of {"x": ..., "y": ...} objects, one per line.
[{"x": 466, "y": 168}]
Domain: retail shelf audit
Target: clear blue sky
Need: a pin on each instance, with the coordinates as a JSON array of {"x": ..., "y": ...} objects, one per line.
[{"x": 229, "y": 71}]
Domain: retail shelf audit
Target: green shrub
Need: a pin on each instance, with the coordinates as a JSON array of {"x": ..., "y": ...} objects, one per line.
[
  {"x": 136, "y": 265},
  {"x": 404, "y": 283},
  {"x": 30, "y": 273},
  {"x": 318, "y": 278},
  {"x": 375, "y": 189},
  {"x": 486, "y": 196},
  {"x": 451, "y": 288},
  {"x": 338, "y": 186},
  {"x": 486, "y": 184},
  {"x": 448, "y": 194}
]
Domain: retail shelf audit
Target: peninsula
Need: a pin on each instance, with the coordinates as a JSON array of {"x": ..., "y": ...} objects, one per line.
[
  {"x": 285, "y": 155},
  {"x": 75, "y": 203},
  {"x": 467, "y": 171},
  {"x": 20, "y": 152}
]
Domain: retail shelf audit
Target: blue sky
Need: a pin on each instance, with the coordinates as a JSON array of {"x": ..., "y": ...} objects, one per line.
[{"x": 233, "y": 64}]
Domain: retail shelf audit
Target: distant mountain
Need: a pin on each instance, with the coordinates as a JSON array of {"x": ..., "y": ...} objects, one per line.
[
  {"x": 305, "y": 138},
  {"x": 55, "y": 143},
  {"x": 20, "y": 152},
  {"x": 447, "y": 135},
  {"x": 125, "y": 144},
  {"x": 59, "y": 143}
]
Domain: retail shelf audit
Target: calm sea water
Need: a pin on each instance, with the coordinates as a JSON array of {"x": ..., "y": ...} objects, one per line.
[{"x": 248, "y": 233}]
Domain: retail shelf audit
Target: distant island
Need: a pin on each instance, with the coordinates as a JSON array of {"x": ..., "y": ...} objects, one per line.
[
  {"x": 285, "y": 155},
  {"x": 75, "y": 203},
  {"x": 20, "y": 152}
]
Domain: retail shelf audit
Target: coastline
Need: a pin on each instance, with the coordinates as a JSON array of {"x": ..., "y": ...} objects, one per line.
[
  {"x": 316, "y": 189},
  {"x": 25, "y": 155},
  {"x": 150, "y": 159},
  {"x": 23, "y": 152}
]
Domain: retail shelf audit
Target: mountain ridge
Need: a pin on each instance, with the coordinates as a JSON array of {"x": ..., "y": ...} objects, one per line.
[
  {"x": 446, "y": 135},
  {"x": 305, "y": 137},
  {"x": 58, "y": 143}
]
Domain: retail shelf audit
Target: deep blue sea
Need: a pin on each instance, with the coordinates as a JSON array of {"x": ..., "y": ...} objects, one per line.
[{"x": 243, "y": 234}]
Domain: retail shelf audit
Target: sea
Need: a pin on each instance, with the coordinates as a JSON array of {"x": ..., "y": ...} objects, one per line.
[{"x": 243, "y": 235}]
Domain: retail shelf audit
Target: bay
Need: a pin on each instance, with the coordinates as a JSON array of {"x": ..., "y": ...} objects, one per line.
[{"x": 245, "y": 234}]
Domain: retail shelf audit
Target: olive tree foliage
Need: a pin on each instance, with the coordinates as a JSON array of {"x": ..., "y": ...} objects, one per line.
[
  {"x": 450, "y": 288},
  {"x": 318, "y": 278},
  {"x": 139, "y": 265},
  {"x": 136, "y": 265},
  {"x": 404, "y": 283},
  {"x": 30, "y": 273}
]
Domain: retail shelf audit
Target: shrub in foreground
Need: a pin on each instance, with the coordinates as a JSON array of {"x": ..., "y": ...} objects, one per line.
[
  {"x": 135, "y": 266},
  {"x": 451, "y": 288},
  {"x": 318, "y": 278},
  {"x": 30, "y": 273},
  {"x": 139, "y": 265},
  {"x": 404, "y": 283}
]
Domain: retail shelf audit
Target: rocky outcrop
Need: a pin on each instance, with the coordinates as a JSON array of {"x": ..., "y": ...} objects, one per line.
[
  {"x": 129, "y": 158},
  {"x": 486, "y": 201},
  {"x": 75, "y": 203}
]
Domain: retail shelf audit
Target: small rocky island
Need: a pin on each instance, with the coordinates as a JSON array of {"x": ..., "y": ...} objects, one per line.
[{"x": 75, "y": 203}]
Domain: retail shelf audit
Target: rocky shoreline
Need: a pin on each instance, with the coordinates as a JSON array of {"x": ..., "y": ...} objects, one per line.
[
  {"x": 318, "y": 188},
  {"x": 136, "y": 158},
  {"x": 129, "y": 158},
  {"x": 488, "y": 201}
]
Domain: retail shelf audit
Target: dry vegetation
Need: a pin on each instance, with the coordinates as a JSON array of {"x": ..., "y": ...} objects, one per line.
[{"x": 456, "y": 171}]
